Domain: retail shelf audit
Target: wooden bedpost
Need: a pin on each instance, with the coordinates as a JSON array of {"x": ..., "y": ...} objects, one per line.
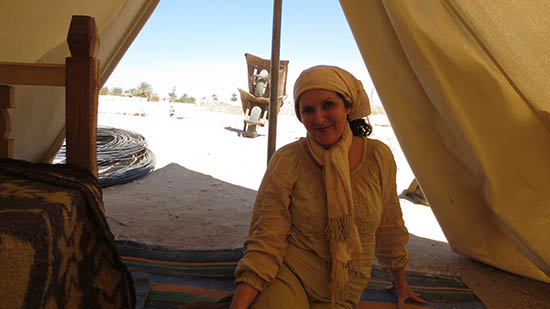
[
  {"x": 6, "y": 101},
  {"x": 81, "y": 91}
]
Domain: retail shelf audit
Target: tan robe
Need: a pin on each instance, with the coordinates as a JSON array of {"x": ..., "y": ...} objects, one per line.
[{"x": 289, "y": 221}]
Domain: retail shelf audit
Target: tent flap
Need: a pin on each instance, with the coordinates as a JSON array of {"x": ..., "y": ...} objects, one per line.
[{"x": 470, "y": 117}]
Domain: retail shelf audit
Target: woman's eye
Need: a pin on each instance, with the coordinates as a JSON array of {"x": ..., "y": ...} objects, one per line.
[
  {"x": 328, "y": 104},
  {"x": 307, "y": 110}
]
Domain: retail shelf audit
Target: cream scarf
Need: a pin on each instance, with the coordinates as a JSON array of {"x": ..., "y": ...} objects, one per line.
[{"x": 344, "y": 241}]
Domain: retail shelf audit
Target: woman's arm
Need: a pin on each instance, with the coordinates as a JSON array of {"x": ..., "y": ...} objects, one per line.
[
  {"x": 402, "y": 288},
  {"x": 265, "y": 248},
  {"x": 244, "y": 296},
  {"x": 392, "y": 235}
]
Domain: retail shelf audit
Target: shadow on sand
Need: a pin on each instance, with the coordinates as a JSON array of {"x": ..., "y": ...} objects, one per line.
[
  {"x": 240, "y": 132},
  {"x": 180, "y": 208}
]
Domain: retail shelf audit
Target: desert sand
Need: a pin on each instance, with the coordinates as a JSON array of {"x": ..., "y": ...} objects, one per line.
[{"x": 202, "y": 191}]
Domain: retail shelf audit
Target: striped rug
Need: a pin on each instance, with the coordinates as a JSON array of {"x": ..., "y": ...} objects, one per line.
[{"x": 190, "y": 279}]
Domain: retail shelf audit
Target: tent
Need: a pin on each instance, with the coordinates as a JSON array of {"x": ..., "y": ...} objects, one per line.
[{"x": 462, "y": 82}]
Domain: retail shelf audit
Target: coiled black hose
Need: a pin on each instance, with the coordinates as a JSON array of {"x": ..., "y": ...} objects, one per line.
[{"x": 122, "y": 156}]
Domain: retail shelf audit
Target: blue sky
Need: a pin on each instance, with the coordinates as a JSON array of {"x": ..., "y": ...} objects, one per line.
[{"x": 199, "y": 46}]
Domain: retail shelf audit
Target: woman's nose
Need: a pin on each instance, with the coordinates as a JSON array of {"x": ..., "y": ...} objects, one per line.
[{"x": 319, "y": 116}]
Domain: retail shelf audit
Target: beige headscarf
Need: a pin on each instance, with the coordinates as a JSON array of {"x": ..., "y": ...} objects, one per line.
[
  {"x": 334, "y": 79},
  {"x": 344, "y": 241}
]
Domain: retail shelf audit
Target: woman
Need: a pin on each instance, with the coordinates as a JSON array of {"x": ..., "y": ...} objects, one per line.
[{"x": 323, "y": 202}]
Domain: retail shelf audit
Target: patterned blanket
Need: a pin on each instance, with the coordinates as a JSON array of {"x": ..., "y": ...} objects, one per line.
[{"x": 56, "y": 249}]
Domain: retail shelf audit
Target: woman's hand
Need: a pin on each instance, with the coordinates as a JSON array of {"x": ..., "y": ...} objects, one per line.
[
  {"x": 401, "y": 286},
  {"x": 244, "y": 296}
]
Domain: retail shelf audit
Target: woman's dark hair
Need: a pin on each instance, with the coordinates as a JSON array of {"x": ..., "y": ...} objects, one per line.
[{"x": 359, "y": 127}]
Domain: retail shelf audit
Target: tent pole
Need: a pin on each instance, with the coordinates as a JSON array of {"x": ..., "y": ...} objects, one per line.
[{"x": 274, "y": 79}]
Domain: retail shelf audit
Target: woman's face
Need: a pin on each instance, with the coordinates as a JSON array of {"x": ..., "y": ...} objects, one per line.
[{"x": 324, "y": 116}]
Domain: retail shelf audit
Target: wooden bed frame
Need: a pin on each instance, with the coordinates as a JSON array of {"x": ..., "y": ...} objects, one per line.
[
  {"x": 79, "y": 75},
  {"x": 56, "y": 212}
]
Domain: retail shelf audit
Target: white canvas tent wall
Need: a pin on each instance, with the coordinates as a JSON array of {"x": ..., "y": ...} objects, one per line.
[
  {"x": 463, "y": 83},
  {"x": 36, "y": 32}
]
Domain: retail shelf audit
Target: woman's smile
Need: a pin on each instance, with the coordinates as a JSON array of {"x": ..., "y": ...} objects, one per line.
[{"x": 324, "y": 129}]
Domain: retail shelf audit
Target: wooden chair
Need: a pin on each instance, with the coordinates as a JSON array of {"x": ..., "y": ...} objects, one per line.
[
  {"x": 249, "y": 101},
  {"x": 79, "y": 75}
]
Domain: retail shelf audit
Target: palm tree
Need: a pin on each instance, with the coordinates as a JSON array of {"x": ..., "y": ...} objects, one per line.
[{"x": 172, "y": 94}]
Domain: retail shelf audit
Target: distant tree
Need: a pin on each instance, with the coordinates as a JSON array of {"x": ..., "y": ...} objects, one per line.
[
  {"x": 144, "y": 90},
  {"x": 104, "y": 91},
  {"x": 172, "y": 94},
  {"x": 214, "y": 97},
  {"x": 132, "y": 92},
  {"x": 116, "y": 91},
  {"x": 186, "y": 99},
  {"x": 234, "y": 97}
]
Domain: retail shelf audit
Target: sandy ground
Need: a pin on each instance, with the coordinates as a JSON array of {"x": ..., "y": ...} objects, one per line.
[{"x": 202, "y": 190}]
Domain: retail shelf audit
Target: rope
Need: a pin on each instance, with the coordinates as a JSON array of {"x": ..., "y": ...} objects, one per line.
[{"x": 122, "y": 156}]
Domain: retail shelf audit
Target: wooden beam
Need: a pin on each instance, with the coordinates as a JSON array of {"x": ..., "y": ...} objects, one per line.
[
  {"x": 6, "y": 101},
  {"x": 39, "y": 74},
  {"x": 81, "y": 92},
  {"x": 274, "y": 79}
]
